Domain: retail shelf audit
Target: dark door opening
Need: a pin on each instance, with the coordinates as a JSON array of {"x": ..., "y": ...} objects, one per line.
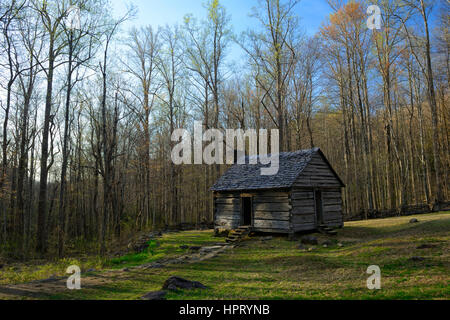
[
  {"x": 319, "y": 209},
  {"x": 246, "y": 211}
]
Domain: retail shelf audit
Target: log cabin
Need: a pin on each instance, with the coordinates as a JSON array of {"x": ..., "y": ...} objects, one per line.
[{"x": 305, "y": 194}]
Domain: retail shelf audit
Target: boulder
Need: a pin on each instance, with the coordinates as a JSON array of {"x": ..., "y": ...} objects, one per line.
[
  {"x": 417, "y": 259},
  {"x": 156, "y": 266},
  {"x": 413, "y": 221},
  {"x": 184, "y": 247},
  {"x": 174, "y": 283},
  {"x": 426, "y": 246},
  {"x": 310, "y": 240},
  {"x": 327, "y": 243},
  {"x": 155, "y": 295}
]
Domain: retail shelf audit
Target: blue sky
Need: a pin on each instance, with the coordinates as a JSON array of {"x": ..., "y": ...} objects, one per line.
[{"x": 162, "y": 12}]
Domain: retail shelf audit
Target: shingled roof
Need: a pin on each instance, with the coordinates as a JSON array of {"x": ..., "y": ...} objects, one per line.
[{"x": 248, "y": 177}]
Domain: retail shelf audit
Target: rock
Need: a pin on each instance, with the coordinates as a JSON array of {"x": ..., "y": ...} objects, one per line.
[
  {"x": 426, "y": 246},
  {"x": 184, "y": 247},
  {"x": 413, "y": 221},
  {"x": 155, "y": 295},
  {"x": 91, "y": 270},
  {"x": 310, "y": 240},
  {"x": 311, "y": 249},
  {"x": 327, "y": 243},
  {"x": 267, "y": 238},
  {"x": 340, "y": 245},
  {"x": 125, "y": 270},
  {"x": 174, "y": 283},
  {"x": 195, "y": 248},
  {"x": 417, "y": 259},
  {"x": 209, "y": 249},
  {"x": 221, "y": 233},
  {"x": 302, "y": 247},
  {"x": 221, "y": 244}
]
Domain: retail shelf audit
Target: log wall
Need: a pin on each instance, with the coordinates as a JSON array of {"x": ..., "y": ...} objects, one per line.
[
  {"x": 271, "y": 212},
  {"x": 303, "y": 209},
  {"x": 227, "y": 210},
  {"x": 317, "y": 174},
  {"x": 332, "y": 207}
]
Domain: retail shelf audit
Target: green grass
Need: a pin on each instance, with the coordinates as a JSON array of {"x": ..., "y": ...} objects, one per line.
[{"x": 277, "y": 269}]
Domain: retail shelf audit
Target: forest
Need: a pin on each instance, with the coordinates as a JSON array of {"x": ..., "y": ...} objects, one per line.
[{"x": 87, "y": 109}]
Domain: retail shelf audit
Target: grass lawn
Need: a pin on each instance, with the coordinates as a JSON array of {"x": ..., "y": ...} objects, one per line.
[{"x": 277, "y": 269}]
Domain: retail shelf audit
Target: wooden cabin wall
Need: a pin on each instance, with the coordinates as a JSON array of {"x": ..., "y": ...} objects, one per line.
[
  {"x": 317, "y": 174},
  {"x": 271, "y": 212},
  {"x": 227, "y": 210},
  {"x": 332, "y": 207},
  {"x": 303, "y": 209}
]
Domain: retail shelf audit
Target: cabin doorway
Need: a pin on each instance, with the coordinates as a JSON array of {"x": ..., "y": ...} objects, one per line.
[
  {"x": 246, "y": 211},
  {"x": 319, "y": 207}
]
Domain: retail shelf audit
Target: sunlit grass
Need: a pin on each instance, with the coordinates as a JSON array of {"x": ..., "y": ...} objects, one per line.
[{"x": 277, "y": 269}]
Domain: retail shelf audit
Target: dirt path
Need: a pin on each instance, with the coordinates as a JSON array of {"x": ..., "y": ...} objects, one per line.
[{"x": 44, "y": 289}]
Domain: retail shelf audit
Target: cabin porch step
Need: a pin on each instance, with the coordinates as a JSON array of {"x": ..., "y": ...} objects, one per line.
[{"x": 238, "y": 234}]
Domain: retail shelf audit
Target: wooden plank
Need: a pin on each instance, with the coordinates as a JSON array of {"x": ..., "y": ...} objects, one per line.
[
  {"x": 270, "y": 199},
  {"x": 228, "y": 195},
  {"x": 272, "y": 230},
  {"x": 302, "y": 203},
  {"x": 303, "y": 227},
  {"x": 332, "y": 193},
  {"x": 271, "y": 224},
  {"x": 228, "y": 207},
  {"x": 303, "y": 219},
  {"x": 303, "y": 210},
  {"x": 334, "y": 216},
  {"x": 271, "y": 207},
  {"x": 228, "y": 213},
  {"x": 233, "y": 201},
  {"x": 335, "y": 224},
  {"x": 228, "y": 218},
  {"x": 273, "y": 194},
  {"x": 328, "y": 208},
  {"x": 267, "y": 215},
  {"x": 332, "y": 201},
  {"x": 302, "y": 195}
]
